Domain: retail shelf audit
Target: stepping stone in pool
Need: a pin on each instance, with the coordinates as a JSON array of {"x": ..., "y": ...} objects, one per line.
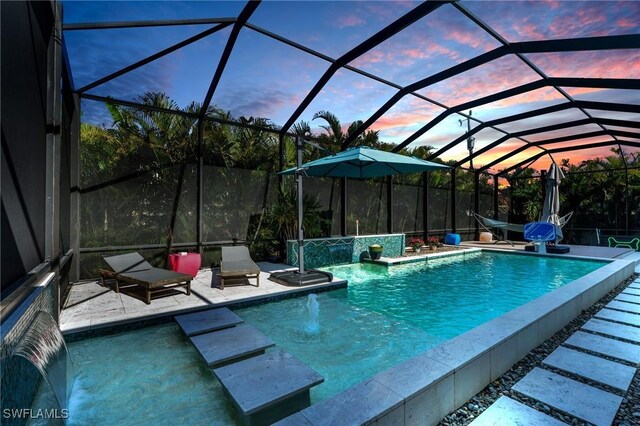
[
  {"x": 623, "y": 317},
  {"x": 206, "y": 321},
  {"x": 269, "y": 387},
  {"x": 230, "y": 345},
  {"x": 616, "y": 330},
  {"x": 627, "y": 298},
  {"x": 506, "y": 411},
  {"x": 605, "y": 346},
  {"x": 631, "y": 290},
  {"x": 570, "y": 396},
  {"x": 624, "y": 306},
  {"x": 591, "y": 367}
]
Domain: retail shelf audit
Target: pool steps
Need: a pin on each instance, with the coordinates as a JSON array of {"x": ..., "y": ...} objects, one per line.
[
  {"x": 207, "y": 321},
  {"x": 268, "y": 387},
  {"x": 231, "y": 345},
  {"x": 262, "y": 387}
]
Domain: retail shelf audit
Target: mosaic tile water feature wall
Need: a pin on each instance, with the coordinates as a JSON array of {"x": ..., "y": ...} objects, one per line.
[
  {"x": 319, "y": 252},
  {"x": 20, "y": 380}
]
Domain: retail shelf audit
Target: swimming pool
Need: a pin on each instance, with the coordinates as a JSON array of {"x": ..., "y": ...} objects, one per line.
[
  {"x": 385, "y": 316},
  {"x": 388, "y": 315}
]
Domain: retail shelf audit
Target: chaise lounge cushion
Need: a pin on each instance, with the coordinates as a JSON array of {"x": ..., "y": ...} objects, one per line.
[
  {"x": 129, "y": 262},
  {"x": 239, "y": 267},
  {"x": 237, "y": 263},
  {"x": 155, "y": 277},
  {"x": 133, "y": 269}
]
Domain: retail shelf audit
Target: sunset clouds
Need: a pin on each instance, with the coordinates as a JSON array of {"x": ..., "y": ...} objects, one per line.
[{"x": 267, "y": 78}]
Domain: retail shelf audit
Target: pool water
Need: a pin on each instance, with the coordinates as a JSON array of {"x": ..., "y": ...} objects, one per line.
[
  {"x": 151, "y": 376},
  {"x": 388, "y": 315}
]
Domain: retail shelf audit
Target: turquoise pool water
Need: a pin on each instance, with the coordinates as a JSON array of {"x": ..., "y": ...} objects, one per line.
[
  {"x": 151, "y": 376},
  {"x": 155, "y": 376},
  {"x": 388, "y": 315}
]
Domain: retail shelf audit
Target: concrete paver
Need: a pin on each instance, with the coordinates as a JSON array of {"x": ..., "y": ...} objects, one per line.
[{"x": 570, "y": 396}]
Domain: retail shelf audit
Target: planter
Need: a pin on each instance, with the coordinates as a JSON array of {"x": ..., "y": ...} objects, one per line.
[{"x": 375, "y": 251}]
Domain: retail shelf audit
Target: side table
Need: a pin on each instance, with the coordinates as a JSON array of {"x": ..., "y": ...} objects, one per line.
[{"x": 187, "y": 263}]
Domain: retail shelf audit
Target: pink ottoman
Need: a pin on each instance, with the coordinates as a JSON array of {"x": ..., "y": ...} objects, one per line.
[{"x": 188, "y": 263}]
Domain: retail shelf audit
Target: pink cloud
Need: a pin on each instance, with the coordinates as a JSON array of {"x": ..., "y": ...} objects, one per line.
[
  {"x": 535, "y": 20},
  {"x": 553, "y": 4},
  {"x": 410, "y": 112},
  {"x": 430, "y": 50},
  {"x": 590, "y": 21},
  {"x": 470, "y": 38},
  {"x": 396, "y": 53},
  {"x": 543, "y": 163},
  {"x": 626, "y": 23},
  {"x": 484, "y": 80},
  {"x": 346, "y": 21},
  {"x": 383, "y": 12},
  {"x": 385, "y": 123},
  {"x": 602, "y": 64},
  {"x": 529, "y": 30}
]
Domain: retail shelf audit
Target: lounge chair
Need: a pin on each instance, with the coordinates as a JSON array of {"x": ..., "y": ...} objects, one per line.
[
  {"x": 237, "y": 263},
  {"x": 131, "y": 268}
]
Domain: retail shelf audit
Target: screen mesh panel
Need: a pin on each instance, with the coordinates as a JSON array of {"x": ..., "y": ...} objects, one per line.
[
  {"x": 367, "y": 203},
  {"x": 231, "y": 196},
  {"x": 407, "y": 204},
  {"x": 326, "y": 192}
]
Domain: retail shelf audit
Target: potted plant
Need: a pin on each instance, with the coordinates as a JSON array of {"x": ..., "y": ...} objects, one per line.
[
  {"x": 433, "y": 242},
  {"x": 416, "y": 244},
  {"x": 375, "y": 251}
]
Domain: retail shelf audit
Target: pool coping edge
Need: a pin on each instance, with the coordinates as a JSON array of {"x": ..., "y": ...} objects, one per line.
[{"x": 453, "y": 372}]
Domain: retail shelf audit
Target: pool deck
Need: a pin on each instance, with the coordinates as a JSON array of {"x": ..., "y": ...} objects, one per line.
[
  {"x": 91, "y": 306},
  {"x": 575, "y": 250}
]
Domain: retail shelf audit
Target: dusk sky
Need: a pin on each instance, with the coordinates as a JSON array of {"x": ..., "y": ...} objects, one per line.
[{"x": 269, "y": 79}]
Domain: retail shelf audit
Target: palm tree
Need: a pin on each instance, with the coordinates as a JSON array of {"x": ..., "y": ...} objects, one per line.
[{"x": 335, "y": 137}]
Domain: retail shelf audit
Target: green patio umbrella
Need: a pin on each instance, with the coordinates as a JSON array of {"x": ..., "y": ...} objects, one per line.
[
  {"x": 360, "y": 163},
  {"x": 365, "y": 162}
]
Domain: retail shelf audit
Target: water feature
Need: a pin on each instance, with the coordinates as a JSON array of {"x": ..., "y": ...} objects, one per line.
[
  {"x": 340, "y": 253},
  {"x": 43, "y": 346},
  {"x": 313, "y": 306}
]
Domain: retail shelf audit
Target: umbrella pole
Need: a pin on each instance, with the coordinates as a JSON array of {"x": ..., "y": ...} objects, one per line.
[{"x": 299, "y": 146}]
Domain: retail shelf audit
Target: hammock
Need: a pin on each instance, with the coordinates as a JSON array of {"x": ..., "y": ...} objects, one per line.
[{"x": 487, "y": 223}]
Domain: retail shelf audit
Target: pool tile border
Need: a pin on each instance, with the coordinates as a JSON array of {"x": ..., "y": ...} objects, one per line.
[
  {"x": 394, "y": 261},
  {"x": 440, "y": 380}
]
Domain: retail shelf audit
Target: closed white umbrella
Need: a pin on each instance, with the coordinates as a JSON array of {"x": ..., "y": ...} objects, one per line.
[{"x": 551, "y": 206}]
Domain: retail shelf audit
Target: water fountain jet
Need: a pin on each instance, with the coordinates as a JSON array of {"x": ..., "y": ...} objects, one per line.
[{"x": 313, "y": 310}]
